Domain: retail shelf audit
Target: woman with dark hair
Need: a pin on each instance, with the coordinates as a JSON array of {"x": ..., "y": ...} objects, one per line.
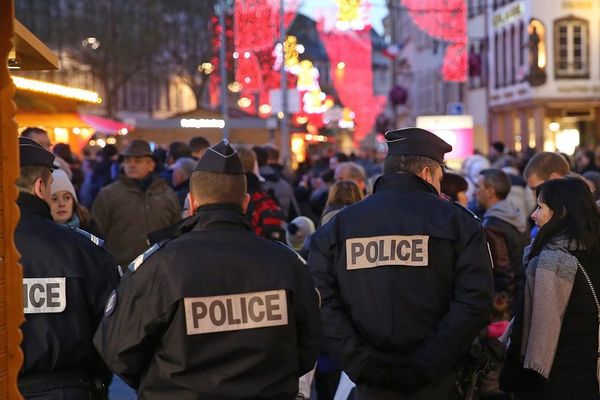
[
  {"x": 455, "y": 188},
  {"x": 553, "y": 348}
]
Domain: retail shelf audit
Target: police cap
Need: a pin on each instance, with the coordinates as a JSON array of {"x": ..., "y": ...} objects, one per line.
[
  {"x": 32, "y": 153},
  {"x": 416, "y": 142},
  {"x": 221, "y": 159}
]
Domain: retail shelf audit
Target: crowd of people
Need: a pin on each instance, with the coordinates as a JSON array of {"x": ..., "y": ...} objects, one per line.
[{"x": 188, "y": 265}]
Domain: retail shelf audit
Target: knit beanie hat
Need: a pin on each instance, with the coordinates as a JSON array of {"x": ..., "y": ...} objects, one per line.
[
  {"x": 61, "y": 182},
  {"x": 297, "y": 232}
]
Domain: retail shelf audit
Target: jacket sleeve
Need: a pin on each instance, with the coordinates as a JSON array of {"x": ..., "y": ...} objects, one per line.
[
  {"x": 103, "y": 279},
  {"x": 503, "y": 273},
  {"x": 308, "y": 321},
  {"x": 125, "y": 337},
  {"x": 468, "y": 312},
  {"x": 101, "y": 212},
  {"x": 340, "y": 337}
]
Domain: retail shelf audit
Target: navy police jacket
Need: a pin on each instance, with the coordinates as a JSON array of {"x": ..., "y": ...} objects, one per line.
[
  {"x": 217, "y": 312},
  {"x": 405, "y": 278},
  {"x": 67, "y": 280}
]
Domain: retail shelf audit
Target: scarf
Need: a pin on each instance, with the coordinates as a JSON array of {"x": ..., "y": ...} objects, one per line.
[{"x": 549, "y": 281}]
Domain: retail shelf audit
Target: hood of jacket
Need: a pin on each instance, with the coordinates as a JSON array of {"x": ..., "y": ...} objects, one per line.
[{"x": 506, "y": 211}]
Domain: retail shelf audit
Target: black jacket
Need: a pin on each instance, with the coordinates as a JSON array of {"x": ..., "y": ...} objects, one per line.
[
  {"x": 59, "y": 326},
  {"x": 395, "y": 320},
  {"x": 167, "y": 335}
]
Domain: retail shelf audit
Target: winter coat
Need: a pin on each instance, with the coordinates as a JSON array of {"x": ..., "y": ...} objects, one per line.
[{"x": 126, "y": 214}]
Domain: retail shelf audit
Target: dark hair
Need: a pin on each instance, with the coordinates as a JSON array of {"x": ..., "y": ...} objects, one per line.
[
  {"x": 499, "y": 146},
  {"x": 261, "y": 155},
  {"x": 341, "y": 157},
  {"x": 198, "y": 143},
  {"x": 498, "y": 180},
  {"x": 453, "y": 184},
  {"x": 32, "y": 130},
  {"x": 407, "y": 163},
  {"x": 177, "y": 150},
  {"x": 575, "y": 214},
  {"x": 63, "y": 150},
  {"x": 272, "y": 153}
]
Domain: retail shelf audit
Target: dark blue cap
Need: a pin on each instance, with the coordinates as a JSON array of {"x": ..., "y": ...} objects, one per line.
[
  {"x": 416, "y": 142},
  {"x": 32, "y": 153},
  {"x": 221, "y": 159}
]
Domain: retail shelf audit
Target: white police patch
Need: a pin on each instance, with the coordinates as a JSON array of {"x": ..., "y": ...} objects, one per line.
[
  {"x": 111, "y": 304},
  {"x": 44, "y": 295},
  {"x": 377, "y": 251},
  {"x": 235, "y": 312}
]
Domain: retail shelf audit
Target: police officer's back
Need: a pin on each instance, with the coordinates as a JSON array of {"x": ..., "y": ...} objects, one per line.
[
  {"x": 66, "y": 282},
  {"x": 405, "y": 278},
  {"x": 216, "y": 312}
]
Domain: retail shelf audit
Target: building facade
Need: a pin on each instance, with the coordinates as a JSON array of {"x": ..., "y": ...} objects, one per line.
[{"x": 544, "y": 73}]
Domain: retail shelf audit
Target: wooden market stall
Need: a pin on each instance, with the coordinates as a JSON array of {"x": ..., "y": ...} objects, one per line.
[{"x": 19, "y": 49}]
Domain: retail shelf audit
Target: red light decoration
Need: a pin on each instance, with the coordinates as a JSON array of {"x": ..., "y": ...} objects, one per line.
[
  {"x": 215, "y": 78},
  {"x": 350, "y": 59},
  {"x": 256, "y": 33},
  {"x": 445, "y": 20}
]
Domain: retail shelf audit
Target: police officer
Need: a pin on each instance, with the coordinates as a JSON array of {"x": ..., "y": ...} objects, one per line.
[
  {"x": 67, "y": 279},
  {"x": 405, "y": 278},
  {"x": 216, "y": 312}
]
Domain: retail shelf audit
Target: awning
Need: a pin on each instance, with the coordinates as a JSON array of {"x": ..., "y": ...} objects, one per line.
[
  {"x": 105, "y": 125},
  {"x": 50, "y": 120}
]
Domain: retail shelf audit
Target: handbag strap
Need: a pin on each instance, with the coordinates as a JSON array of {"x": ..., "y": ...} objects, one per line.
[{"x": 589, "y": 281}]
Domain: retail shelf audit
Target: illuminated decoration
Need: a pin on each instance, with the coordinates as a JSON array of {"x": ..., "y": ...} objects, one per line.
[
  {"x": 56, "y": 90},
  {"x": 234, "y": 87},
  {"x": 61, "y": 135},
  {"x": 352, "y": 14},
  {"x": 292, "y": 56},
  {"x": 265, "y": 109},
  {"x": 554, "y": 126},
  {"x": 567, "y": 141},
  {"x": 206, "y": 67},
  {"x": 308, "y": 76},
  {"x": 214, "y": 85},
  {"x": 244, "y": 102},
  {"x": 256, "y": 31},
  {"x": 456, "y": 130},
  {"x": 202, "y": 123},
  {"x": 444, "y": 20},
  {"x": 347, "y": 120},
  {"x": 111, "y": 140},
  {"x": 537, "y": 28},
  {"x": 354, "y": 82}
]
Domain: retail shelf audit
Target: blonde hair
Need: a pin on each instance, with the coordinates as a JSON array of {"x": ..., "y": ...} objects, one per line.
[{"x": 343, "y": 193}]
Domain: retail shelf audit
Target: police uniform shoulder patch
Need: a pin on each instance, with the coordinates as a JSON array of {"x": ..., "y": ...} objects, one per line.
[
  {"x": 111, "y": 304},
  {"x": 466, "y": 210},
  {"x": 139, "y": 260},
  {"x": 94, "y": 239}
]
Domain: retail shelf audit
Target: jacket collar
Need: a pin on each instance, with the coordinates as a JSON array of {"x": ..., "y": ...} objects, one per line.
[
  {"x": 218, "y": 217},
  {"x": 403, "y": 182},
  {"x": 33, "y": 205}
]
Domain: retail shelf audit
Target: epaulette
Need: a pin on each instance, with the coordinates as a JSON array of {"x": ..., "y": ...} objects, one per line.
[
  {"x": 465, "y": 209},
  {"x": 288, "y": 248},
  {"x": 94, "y": 239},
  {"x": 139, "y": 260}
]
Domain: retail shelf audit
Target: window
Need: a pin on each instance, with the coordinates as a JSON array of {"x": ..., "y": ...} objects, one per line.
[
  {"x": 571, "y": 53},
  {"x": 497, "y": 58}
]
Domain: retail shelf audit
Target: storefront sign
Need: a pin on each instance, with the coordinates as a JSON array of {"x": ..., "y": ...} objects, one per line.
[{"x": 506, "y": 17}]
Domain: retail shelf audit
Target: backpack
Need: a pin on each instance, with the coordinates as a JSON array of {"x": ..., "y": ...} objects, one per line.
[{"x": 266, "y": 216}]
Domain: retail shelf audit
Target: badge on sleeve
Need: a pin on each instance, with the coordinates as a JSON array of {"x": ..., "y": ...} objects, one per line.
[{"x": 111, "y": 304}]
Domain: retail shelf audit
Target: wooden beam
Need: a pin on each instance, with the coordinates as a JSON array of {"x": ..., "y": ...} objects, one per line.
[
  {"x": 29, "y": 53},
  {"x": 11, "y": 277}
]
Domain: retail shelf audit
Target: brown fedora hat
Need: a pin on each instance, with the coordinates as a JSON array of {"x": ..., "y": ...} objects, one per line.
[{"x": 138, "y": 148}]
